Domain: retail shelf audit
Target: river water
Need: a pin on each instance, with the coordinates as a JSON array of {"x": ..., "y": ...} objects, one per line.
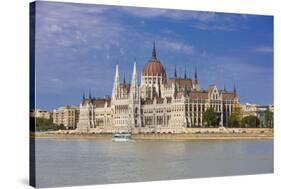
[{"x": 85, "y": 162}]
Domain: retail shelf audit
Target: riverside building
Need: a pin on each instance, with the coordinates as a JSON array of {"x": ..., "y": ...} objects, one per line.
[
  {"x": 38, "y": 113},
  {"x": 67, "y": 116},
  {"x": 157, "y": 104},
  {"x": 256, "y": 110}
]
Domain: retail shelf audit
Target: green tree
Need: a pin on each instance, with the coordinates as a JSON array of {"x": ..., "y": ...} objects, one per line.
[
  {"x": 269, "y": 118},
  {"x": 250, "y": 121},
  {"x": 43, "y": 124},
  {"x": 234, "y": 119},
  {"x": 210, "y": 117}
]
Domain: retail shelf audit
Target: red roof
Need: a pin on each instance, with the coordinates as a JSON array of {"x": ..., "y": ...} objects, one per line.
[
  {"x": 198, "y": 95},
  {"x": 181, "y": 82},
  {"x": 99, "y": 103},
  {"x": 228, "y": 96},
  {"x": 154, "y": 68}
]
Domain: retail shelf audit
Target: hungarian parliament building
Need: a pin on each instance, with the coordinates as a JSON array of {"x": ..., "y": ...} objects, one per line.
[{"x": 157, "y": 105}]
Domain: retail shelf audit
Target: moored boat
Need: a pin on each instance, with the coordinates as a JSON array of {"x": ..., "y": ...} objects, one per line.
[{"x": 121, "y": 137}]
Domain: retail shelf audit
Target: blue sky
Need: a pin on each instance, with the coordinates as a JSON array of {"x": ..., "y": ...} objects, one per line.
[{"x": 78, "y": 45}]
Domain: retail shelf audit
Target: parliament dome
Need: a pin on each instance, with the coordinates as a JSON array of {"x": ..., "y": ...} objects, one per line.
[{"x": 153, "y": 67}]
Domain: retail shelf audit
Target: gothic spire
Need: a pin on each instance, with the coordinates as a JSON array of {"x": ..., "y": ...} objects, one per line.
[
  {"x": 195, "y": 76},
  {"x": 124, "y": 79},
  {"x": 90, "y": 95},
  {"x": 224, "y": 88},
  {"x": 154, "y": 51},
  {"x": 115, "y": 89},
  {"x": 83, "y": 95},
  {"x": 134, "y": 82},
  {"x": 234, "y": 90},
  {"x": 116, "y": 78},
  {"x": 175, "y": 82},
  {"x": 175, "y": 72},
  {"x": 185, "y": 77},
  {"x": 135, "y": 66}
]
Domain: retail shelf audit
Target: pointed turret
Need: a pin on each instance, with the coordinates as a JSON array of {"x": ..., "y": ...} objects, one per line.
[
  {"x": 134, "y": 75},
  {"x": 224, "y": 88},
  {"x": 116, "y": 77},
  {"x": 115, "y": 89},
  {"x": 175, "y": 72},
  {"x": 174, "y": 85},
  {"x": 83, "y": 95},
  {"x": 185, "y": 77},
  {"x": 124, "y": 80},
  {"x": 90, "y": 95},
  {"x": 134, "y": 82},
  {"x": 195, "y": 76},
  {"x": 154, "y": 52},
  {"x": 234, "y": 90}
]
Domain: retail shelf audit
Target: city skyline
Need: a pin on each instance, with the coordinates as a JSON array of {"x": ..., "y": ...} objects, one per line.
[{"x": 78, "y": 41}]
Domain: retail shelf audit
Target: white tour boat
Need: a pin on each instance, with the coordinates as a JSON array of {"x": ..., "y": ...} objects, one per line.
[{"x": 121, "y": 137}]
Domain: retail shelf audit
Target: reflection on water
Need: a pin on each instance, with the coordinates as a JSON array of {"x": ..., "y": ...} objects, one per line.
[{"x": 83, "y": 162}]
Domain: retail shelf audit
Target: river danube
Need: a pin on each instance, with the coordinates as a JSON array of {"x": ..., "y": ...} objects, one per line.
[{"x": 84, "y": 162}]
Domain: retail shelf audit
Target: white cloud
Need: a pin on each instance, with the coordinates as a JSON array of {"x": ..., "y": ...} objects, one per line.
[
  {"x": 204, "y": 26},
  {"x": 168, "y": 13},
  {"x": 176, "y": 46},
  {"x": 204, "y": 20},
  {"x": 74, "y": 27}
]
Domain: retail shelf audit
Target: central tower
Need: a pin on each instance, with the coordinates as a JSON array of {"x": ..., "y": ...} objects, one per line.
[{"x": 153, "y": 76}]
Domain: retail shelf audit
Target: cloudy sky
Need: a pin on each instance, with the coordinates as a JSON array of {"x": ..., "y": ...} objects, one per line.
[{"x": 78, "y": 45}]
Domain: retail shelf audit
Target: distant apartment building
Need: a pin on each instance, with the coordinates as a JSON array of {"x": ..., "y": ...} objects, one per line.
[
  {"x": 256, "y": 110},
  {"x": 68, "y": 116},
  {"x": 38, "y": 113},
  {"x": 249, "y": 109}
]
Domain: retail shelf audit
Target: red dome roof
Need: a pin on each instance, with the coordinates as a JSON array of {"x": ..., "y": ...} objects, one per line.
[{"x": 153, "y": 68}]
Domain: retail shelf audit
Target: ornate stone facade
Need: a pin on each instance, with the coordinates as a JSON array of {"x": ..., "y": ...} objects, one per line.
[{"x": 157, "y": 105}]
